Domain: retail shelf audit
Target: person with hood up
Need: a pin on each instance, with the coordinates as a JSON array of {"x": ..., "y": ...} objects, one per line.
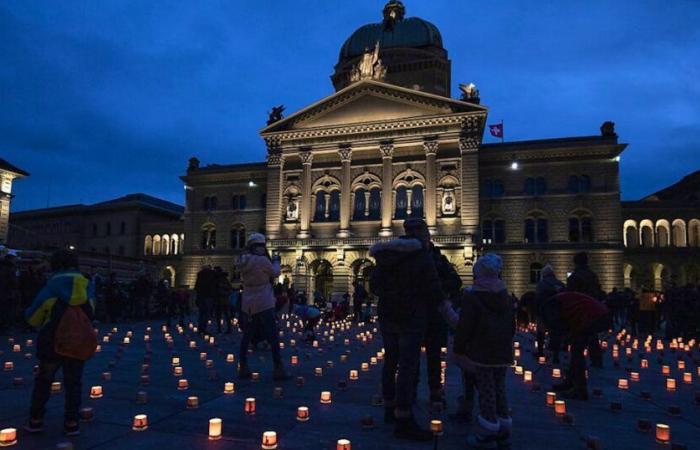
[
  {"x": 548, "y": 286},
  {"x": 483, "y": 344},
  {"x": 257, "y": 316},
  {"x": 407, "y": 284},
  {"x": 65, "y": 289}
]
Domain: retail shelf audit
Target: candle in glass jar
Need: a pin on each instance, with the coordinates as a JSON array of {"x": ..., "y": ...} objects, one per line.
[
  {"x": 670, "y": 384},
  {"x": 8, "y": 437},
  {"x": 140, "y": 422},
  {"x": 644, "y": 364},
  {"x": 193, "y": 402},
  {"x": 688, "y": 378},
  {"x": 230, "y": 358},
  {"x": 96, "y": 392},
  {"x": 622, "y": 383},
  {"x": 353, "y": 375},
  {"x": 177, "y": 371},
  {"x": 364, "y": 367},
  {"x": 665, "y": 370},
  {"x": 255, "y": 376},
  {"x": 249, "y": 406},
  {"x": 55, "y": 387},
  {"x": 318, "y": 371},
  {"x": 214, "y": 429},
  {"x": 326, "y": 397},
  {"x": 343, "y": 444},
  {"x": 8, "y": 366},
  {"x": 436, "y": 427},
  {"x": 634, "y": 376},
  {"x": 269, "y": 440},
  {"x": 556, "y": 373},
  {"x": 302, "y": 414},
  {"x": 175, "y": 361},
  {"x": 182, "y": 384},
  {"x": 559, "y": 407},
  {"x": 551, "y": 397},
  {"x": 527, "y": 376},
  {"x": 663, "y": 433},
  {"x": 229, "y": 388},
  {"x": 295, "y": 360}
]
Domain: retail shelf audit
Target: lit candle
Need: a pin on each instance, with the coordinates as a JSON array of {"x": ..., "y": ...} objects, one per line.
[
  {"x": 436, "y": 427},
  {"x": 269, "y": 440},
  {"x": 177, "y": 371},
  {"x": 140, "y": 422},
  {"x": 302, "y": 414},
  {"x": 551, "y": 397},
  {"x": 326, "y": 397},
  {"x": 318, "y": 372},
  {"x": 8, "y": 366},
  {"x": 663, "y": 433},
  {"x": 353, "y": 375},
  {"x": 556, "y": 373},
  {"x": 249, "y": 406},
  {"x": 295, "y": 360},
  {"x": 255, "y": 376},
  {"x": 665, "y": 370},
  {"x": 182, "y": 384},
  {"x": 364, "y": 367},
  {"x": 175, "y": 361},
  {"x": 230, "y": 358},
  {"x": 55, "y": 387},
  {"x": 96, "y": 392},
  {"x": 527, "y": 376},
  {"x": 670, "y": 384},
  {"x": 229, "y": 388},
  {"x": 8, "y": 437},
  {"x": 343, "y": 444},
  {"x": 634, "y": 376},
  {"x": 644, "y": 364},
  {"x": 688, "y": 378},
  {"x": 541, "y": 360},
  {"x": 681, "y": 365},
  {"x": 622, "y": 383},
  {"x": 559, "y": 407},
  {"x": 193, "y": 402},
  {"x": 214, "y": 429}
]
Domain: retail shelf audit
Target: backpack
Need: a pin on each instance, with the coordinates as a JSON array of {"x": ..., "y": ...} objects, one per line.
[{"x": 75, "y": 337}]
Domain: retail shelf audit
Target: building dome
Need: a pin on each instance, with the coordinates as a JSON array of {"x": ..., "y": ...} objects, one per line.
[{"x": 410, "y": 49}]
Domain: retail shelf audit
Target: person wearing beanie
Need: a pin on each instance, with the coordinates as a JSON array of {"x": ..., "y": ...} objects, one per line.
[
  {"x": 483, "y": 345},
  {"x": 257, "y": 314}
]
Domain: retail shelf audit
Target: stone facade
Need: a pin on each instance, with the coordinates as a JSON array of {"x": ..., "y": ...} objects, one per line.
[{"x": 8, "y": 173}]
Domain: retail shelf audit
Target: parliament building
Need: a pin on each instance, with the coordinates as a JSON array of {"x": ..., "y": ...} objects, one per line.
[{"x": 390, "y": 143}]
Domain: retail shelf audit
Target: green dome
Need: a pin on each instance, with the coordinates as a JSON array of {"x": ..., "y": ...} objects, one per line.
[{"x": 411, "y": 32}]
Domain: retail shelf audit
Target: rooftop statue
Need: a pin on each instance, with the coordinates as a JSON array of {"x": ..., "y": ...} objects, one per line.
[
  {"x": 275, "y": 115},
  {"x": 370, "y": 66},
  {"x": 469, "y": 93}
]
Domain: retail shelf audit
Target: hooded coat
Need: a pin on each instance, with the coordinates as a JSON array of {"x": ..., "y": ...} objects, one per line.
[
  {"x": 486, "y": 328},
  {"x": 406, "y": 282},
  {"x": 256, "y": 272}
]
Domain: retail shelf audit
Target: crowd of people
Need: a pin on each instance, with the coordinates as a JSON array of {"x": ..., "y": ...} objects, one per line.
[{"x": 420, "y": 303}]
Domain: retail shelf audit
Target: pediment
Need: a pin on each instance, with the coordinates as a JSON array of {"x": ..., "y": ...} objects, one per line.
[{"x": 370, "y": 101}]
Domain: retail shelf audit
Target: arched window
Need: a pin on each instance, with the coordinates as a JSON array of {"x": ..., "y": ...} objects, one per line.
[
  {"x": 694, "y": 233},
  {"x": 361, "y": 208},
  {"x": 174, "y": 244},
  {"x": 165, "y": 244},
  {"x": 237, "y": 240},
  {"x": 208, "y": 236},
  {"x": 535, "y": 272},
  {"x": 320, "y": 209},
  {"x": 156, "y": 245},
  {"x": 663, "y": 235},
  {"x": 334, "y": 213},
  {"x": 580, "y": 229},
  {"x": 147, "y": 245},
  {"x": 646, "y": 232},
  {"x": 493, "y": 231},
  {"x": 210, "y": 203},
  {"x": 536, "y": 230},
  {"x": 375, "y": 204},
  {"x": 631, "y": 234},
  {"x": 417, "y": 201},
  {"x": 401, "y": 203},
  {"x": 678, "y": 233}
]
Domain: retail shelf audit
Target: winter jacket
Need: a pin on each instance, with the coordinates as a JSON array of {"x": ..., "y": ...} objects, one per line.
[
  {"x": 68, "y": 288},
  {"x": 486, "y": 328},
  {"x": 256, "y": 272},
  {"x": 205, "y": 286},
  {"x": 406, "y": 282},
  {"x": 585, "y": 281},
  {"x": 223, "y": 289},
  {"x": 572, "y": 313},
  {"x": 546, "y": 288}
]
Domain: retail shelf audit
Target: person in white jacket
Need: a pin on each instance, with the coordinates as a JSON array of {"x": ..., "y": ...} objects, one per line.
[{"x": 257, "y": 316}]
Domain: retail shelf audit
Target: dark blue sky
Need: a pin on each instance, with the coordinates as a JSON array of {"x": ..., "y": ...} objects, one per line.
[{"x": 104, "y": 98}]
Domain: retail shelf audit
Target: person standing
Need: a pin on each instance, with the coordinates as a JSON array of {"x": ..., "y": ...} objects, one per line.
[
  {"x": 222, "y": 308},
  {"x": 359, "y": 296},
  {"x": 51, "y": 312},
  {"x": 257, "y": 315},
  {"x": 548, "y": 286},
  {"x": 483, "y": 345},
  {"x": 9, "y": 292},
  {"x": 585, "y": 281},
  {"x": 205, "y": 289},
  {"x": 407, "y": 284}
]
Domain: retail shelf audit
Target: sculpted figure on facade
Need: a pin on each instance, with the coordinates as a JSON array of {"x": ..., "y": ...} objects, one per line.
[
  {"x": 370, "y": 67},
  {"x": 449, "y": 203}
]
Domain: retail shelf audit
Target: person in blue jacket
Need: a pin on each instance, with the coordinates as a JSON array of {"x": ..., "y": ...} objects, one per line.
[{"x": 67, "y": 287}]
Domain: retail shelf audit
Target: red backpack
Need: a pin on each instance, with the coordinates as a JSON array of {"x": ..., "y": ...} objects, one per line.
[{"x": 75, "y": 337}]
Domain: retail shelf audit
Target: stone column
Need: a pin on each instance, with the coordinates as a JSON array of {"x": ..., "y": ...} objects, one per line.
[
  {"x": 387, "y": 151},
  {"x": 431, "y": 147},
  {"x": 345, "y": 153},
  {"x": 273, "y": 217},
  {"x": 469, "y": 211},
  {"x": 305, "y": 218}
]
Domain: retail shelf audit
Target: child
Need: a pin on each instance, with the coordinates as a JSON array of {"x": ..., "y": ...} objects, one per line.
[{"x": 310, "y": 315}]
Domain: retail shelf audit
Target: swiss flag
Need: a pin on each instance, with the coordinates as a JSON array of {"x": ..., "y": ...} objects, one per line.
[{"x": 496, "y": 130}]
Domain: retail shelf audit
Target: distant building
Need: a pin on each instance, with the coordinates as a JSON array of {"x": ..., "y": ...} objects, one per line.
[
  {"x": 8, "y": 173},
  {"x": 662, "y": 236},
  {"x": 110, "y": 228}
]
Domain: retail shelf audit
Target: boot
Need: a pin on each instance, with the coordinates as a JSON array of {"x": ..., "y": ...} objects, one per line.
[
  {"x": 485, "y": 435},
  {"x": 244, "y": 372},
  {"x": 407, "y": 428},
  {"x": 506, "y": 426},
  {"x": 279, "y": 374}
]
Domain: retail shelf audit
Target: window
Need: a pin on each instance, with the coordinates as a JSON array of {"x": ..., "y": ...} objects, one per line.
[
  {"x": 536, "y": 230},
  {"x": 361, "y": 207},
  {"x": 208, "y": 236},
  {"x": 417, "y": 201},
  {"x": 535, "y": 272},
  {"x": 579, "y": 185},
  {"x": 108, "y": 229},
  {"x": 493, "y": 188},
  {"x": 327, "y": 206},
  {"x": 320, "y": 209},
  {"x": 493, "y": 231},
  {"x": 237, "y": 237},
  {"x": 156, "y": 245},
  {"x": 530, "y": 186},
  {"x": 573, "y": 184},
  {"x": 409, "y": 202},
  {"x": 540, "y": 186},
  {"x": 235, "y": 202},
  {"x": 401, "y": 203},
  {"x": 210, "y": 203},
  {"x": 122, "y": 228},
  {"x": 147, "y": 246},
  {"x": 242, "y": 202}
]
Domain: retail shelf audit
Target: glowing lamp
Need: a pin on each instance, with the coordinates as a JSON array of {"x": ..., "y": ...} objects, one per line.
[
  {"x": 96, "y": 392},
  {"x": 551, "y": 397},
  {"x": 318, "y": 372},
  {"x": 215, "y": 429},
  {"x": 326, "y": 397},
  {"x": 140, "y": 422},
  {"x": 364, "y": 367},
  {"x": 177, "y": 371},
  {"x": 556, "y": 373},
  {"x": 295, "y": 360},
  {"x": 182, "y": 384},
  {"x": 230, "y": 358},
  {"x": 8, "y": 366},
  {"x": 670, "y": 384},
  {"x": 527, "y": 376},
  {"x": 354, "y": 375},
  {"x": 175, "y": 361},
  {"x": 663, "y": 433},
  {"x": 622, "y": 383},
  {"x": 8, "y": 437},
  {"x": 541, "y": 360},
  {"x": 343, "y": 444},
  {"x": 302, "y": 414},
  {"x": 559, "y": 408},
  {"x": 55, "y": 387},
  {"x": 665, "y": 370},
  {"x": 688, "y": 378},
  {"x": 249, "y": 406},
  {"x": 436, "y": 427},
  {"x": 193, "y": 402},
  {"x": 269, "y": 440},
  {"x": 229, "y": 388},
  {"x": 518, "y": 370}
]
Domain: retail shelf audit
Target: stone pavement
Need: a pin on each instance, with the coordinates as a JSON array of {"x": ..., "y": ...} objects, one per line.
[{"x": 171, "y": 423}]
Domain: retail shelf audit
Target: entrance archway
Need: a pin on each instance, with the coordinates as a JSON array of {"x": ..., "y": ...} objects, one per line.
[
  {"x": 168, "y": 273},
  {"x": 361, "y": 271},
  {"x": 323, "y": 278}
]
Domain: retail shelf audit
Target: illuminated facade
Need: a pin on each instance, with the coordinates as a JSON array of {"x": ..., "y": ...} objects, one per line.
[
  {"x": 8, "y": 173},
  {"x": 391, "y": 143}
]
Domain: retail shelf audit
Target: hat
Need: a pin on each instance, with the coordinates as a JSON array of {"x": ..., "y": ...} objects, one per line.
[
  {"x": 547, "y": 270},
  {"x": 489, "y": 265},
  {"x": 255, "y": 239}
]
